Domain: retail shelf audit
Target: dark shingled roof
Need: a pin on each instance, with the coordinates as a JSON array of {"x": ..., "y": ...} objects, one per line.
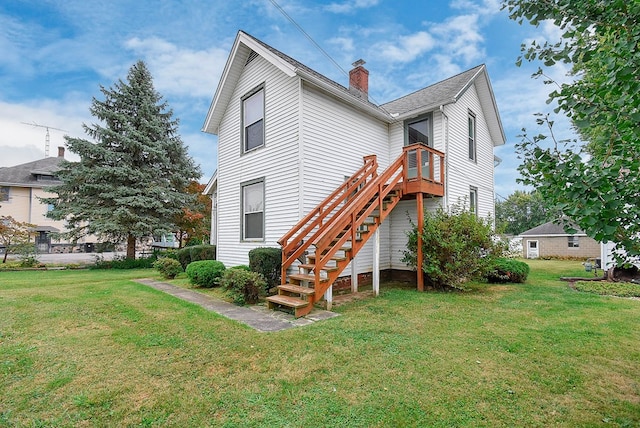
[
  {"x": 439, "y": 93},
  {"x": 550, "y": 228},
  {"x": 297, "y": 64},
  {"x": 25, "y": 175}
]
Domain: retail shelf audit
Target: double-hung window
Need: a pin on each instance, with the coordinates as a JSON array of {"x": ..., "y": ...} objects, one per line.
[
  {"x": 473, "y": 200},
  {"x": 253, "y": 210},
  {"x": 472, "y": 137},
  {"x": 573, "y": 242},
  {"x": 253, "y": 120}
]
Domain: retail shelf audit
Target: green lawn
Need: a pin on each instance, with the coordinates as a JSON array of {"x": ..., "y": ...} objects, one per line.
[{"x": 93, "y": 348}]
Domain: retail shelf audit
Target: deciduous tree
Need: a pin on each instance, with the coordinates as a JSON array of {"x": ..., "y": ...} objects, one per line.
[
  {"x": 130, "y": 181},
  {"x": 521, "y": 211},
  {"x": 596, "y": 184},
  {"x": 13, "y": 235}
]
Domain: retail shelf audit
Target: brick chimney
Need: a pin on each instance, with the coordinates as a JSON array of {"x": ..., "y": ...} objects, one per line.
[
  {"x": 359, "y": 79},
  {"x": 60, "y": 151}
]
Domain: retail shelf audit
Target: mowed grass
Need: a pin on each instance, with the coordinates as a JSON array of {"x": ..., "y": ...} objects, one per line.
[{"x": 93, "y": 348}]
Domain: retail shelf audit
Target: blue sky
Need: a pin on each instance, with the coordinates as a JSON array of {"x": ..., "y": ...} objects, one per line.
[{"x": 56, "y": 54}]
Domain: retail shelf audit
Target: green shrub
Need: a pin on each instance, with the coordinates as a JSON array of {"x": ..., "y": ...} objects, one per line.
[
  {"x": 202, "y": 252},
  {"x": 184, "y": 257},
  {"x": 241, "y": 267},
  {"x": 121, "y": 262},
  {"x": 507, "y": 270},
  {"x": 242, "y": 286},
  {"x": 267, "y": 262},
  {"x": 205, "y": 273},
  {"x": 168, "y": 267},
  {"x": 196, "y": 253},
  {"x": 457, "y": 247}
]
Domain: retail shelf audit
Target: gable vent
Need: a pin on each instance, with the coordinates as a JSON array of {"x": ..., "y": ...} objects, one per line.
[{"x": 253, "y": 55}]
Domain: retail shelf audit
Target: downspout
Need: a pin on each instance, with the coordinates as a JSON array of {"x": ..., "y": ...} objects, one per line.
[{"x": 446, "y": 157}]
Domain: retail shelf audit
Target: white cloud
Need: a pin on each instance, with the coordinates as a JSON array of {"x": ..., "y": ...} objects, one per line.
[
  {"x": 22, "y": 142},
  {"x": 406, "y": 48},
  {"x": 344, "y": 44},
  {"x": 180, "y": 71},
  {"x": 350, "y": 6}
]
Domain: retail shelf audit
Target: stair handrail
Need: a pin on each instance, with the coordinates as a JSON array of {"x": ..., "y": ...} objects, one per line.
[
  {"x": 379, "y": 186},
  {"x": 395, "y": 175},
  {"x": 294, "y": 248}
]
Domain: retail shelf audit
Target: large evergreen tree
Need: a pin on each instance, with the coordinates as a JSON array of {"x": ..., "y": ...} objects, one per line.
[
  {"x": 596, "y": 184},
  {"x": 130, "y": 181}
]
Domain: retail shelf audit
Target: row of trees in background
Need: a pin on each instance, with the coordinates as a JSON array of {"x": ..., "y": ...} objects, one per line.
[
  {"x": 134, "y": 178},
  {"x": 521, "y": 211},
  {"x": 596, "y": 184}
]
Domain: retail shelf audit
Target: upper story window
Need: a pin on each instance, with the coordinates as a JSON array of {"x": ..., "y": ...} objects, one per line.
[
  {"x": 253, "y": 120},
  {"x": 419, "y": 130},
  {"x": 4, "y": 193},
  {"x": 573, "y": 242},
  {"x": 253, "y": 210},
  {"x": 472, "y": 136}
]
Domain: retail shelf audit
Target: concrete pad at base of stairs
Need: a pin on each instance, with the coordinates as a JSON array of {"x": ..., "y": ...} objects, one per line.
[{"x": 258, "y": 317}]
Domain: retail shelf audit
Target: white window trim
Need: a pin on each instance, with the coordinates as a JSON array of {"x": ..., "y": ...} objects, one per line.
[{"x": 473, "y": 200}]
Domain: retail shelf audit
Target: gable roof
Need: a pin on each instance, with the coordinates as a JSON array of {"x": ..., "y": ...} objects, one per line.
[
  {"x": 26, "y": 174},
  {"x": 449, "y": 91},
  {"x": 551, "y": 228},
  {"x": 427, "y": 99}
]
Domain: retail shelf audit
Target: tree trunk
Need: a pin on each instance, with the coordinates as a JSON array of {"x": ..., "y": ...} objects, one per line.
[
  {"x": 131, "y": 247},
  {"x": 6, "y": 253}
]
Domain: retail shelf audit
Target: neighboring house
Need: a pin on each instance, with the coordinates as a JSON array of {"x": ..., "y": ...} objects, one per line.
[
  {"x": 310, "y": 165},
  {"x": 551, "y": 240},
  {"x": 20, "y": 188}
]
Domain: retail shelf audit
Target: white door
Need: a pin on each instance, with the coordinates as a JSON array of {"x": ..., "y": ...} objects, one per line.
[{"x": 532, "y": 250}]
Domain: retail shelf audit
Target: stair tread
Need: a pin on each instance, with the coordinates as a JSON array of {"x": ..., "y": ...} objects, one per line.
[
  {"x": 312, "y": 266},
  {"x": 334, "y": 258},
  {"x": 291, "y": 302},
  {"x": 292, "y": 288},
  {"x": 305, "y": 277}
]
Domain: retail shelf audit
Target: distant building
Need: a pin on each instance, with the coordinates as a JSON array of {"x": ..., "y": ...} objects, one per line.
[
  {"x": 21, "y": 186},
  {"x": 551, "y": 240}
]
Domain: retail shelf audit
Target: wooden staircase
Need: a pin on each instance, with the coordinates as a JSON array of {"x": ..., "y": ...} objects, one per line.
[{"x": 318, "y": 249}]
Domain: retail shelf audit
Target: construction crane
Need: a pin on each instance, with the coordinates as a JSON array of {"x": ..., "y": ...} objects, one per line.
[{"x": 47, "y": 137}]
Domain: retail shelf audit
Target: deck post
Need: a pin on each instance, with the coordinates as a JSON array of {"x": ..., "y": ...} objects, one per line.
[
  {"x": 376, "y": 262},
  {"x": 328, "y": 297},
  {"x": 420, "y": 209},
  {"x": 354, "y": 275}
]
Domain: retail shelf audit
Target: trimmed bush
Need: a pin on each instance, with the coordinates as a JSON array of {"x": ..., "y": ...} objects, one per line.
[
  {"x": 121, "y": 262},
  {"x": 242, "y": 286},
  {"x": 267, "y": 262},
  {"x": 168, "y": 267},
  {"x": 507, "y": 270},
  {"x": 202, "y": 252},
  {"x": 205, "y": 273},
  {"x": 196, "y": 253},
  {"x": 242, "y": 267}
]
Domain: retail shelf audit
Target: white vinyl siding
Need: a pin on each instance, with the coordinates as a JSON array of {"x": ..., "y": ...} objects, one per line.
[
  {"x": 461, "y": 173},
  {"x": 277, "y": 162},
  {"x": 336, "y": 138}
]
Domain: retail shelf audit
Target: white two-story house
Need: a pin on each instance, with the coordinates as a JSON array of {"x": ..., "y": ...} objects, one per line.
[{"x": 317, "y": 168}]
